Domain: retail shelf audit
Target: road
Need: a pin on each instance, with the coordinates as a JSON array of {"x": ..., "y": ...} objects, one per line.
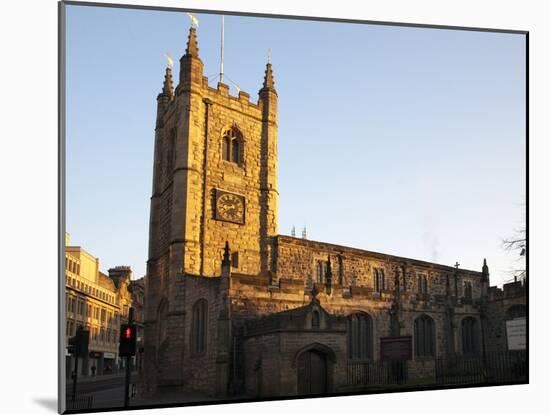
[
  {"x": 108, "y": 392},
  {"x": 99, "y": 383}
]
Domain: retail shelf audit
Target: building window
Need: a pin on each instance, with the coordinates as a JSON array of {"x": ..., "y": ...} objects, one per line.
[
  {"x": 468, "y": 290},
  {"x": 198, "y": 326},
  {"x": 232, "y": 146},
  {"x": 360, "y": 336},
  {"x": 71, "y": 305},
  {"x": 424, "y": 337},
  {"x": 422, "y": 284},
  {"x": 469, "y": 336},
  {"x": 226, "y": 148},
  {"x": 320, "y": 270},
  {"x": 379, "y": 280},
  {"x": 235, "y": 259}
]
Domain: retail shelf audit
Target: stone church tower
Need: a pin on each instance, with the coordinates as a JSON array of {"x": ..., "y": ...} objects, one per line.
[
  {"x": 214, "y": 181},
  {"x": 210, "y": 145}
]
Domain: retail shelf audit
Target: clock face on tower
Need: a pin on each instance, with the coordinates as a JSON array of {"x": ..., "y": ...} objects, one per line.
[{"x": 229, "y": 207}]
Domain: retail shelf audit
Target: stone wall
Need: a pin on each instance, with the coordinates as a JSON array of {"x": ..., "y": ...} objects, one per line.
[
  {"x": 296, "y": 259},
  {"x": 499, "y": 306},
  {"x": 199, "y": 370},
  {"x": 273, "y": 345}
]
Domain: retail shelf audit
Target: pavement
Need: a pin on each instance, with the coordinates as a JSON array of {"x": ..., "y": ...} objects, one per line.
[
  {"x": 107, "y": 391},
  {"x": 89, "y": 378}
]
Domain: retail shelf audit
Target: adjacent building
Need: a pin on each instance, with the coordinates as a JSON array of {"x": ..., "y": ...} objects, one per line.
[
  {"x": 506, "y": 306},
  {"x": 137, "y": 289},
  {"x": 99, "y": 303}
]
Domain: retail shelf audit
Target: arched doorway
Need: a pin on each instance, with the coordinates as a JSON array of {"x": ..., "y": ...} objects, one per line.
[{"x": 312, "y": 373}]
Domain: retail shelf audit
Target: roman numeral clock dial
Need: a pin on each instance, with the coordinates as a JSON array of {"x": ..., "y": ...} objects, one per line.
[{"x": 229, "y": 207}]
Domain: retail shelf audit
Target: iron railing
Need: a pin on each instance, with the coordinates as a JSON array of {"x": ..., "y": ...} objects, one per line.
[
  {"x": 375, "y": 373},
  {"x": 80, "y": 402},
  {"x": 495, "y": 367}
]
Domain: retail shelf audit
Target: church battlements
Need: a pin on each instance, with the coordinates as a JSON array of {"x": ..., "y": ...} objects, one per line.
[
  {"x": 334, "y": 249},
  {"x": 219, "y": 94}
]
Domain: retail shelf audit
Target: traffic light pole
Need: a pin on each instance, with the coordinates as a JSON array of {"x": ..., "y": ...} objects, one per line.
[
  {"x": 75, "y": 376},
  {"x": 128, "y": 363},
  {"x": 127, "y": 383}
]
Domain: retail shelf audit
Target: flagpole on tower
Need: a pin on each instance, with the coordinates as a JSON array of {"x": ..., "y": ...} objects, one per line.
[{"x": 221, "y": 54}]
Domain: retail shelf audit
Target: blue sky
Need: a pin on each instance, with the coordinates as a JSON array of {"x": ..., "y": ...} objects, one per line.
[{"x": 407, "y": 141}]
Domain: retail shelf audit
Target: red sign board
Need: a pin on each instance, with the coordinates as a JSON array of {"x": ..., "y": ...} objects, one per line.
[{"x": 396, "y": 348}]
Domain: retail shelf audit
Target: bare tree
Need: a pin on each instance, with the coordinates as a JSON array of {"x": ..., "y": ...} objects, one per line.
[{"x": 518, "y": 245}]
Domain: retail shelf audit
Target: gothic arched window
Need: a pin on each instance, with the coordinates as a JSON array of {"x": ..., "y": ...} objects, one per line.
[
  {"x": 422, "y": 284},
  {"x": 232, "y": 145},
  {"x": 469, "y": 336},
  {"x": 226, "y": 149},
  {"x": 320, "y": 268},
  {"x": 379, "y": 280},
  {"x": 424, "y": 337},
  {"x": 198, "y": 326},
  {"x": 360, "y": 336}
]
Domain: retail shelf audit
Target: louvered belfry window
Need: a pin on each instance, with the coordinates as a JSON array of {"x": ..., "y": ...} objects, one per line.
[{"x": 232, "y": 145}]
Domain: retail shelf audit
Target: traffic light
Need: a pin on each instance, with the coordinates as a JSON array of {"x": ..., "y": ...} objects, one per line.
[
  {"x": 78, "y": 344},
  {"x": 128, "y": 338},
  {"x": 72, "y": 345},
  {"x": 83, "y": 342}
]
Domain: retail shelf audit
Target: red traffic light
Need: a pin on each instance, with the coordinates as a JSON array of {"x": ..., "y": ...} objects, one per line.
[{"x": 127, "y": 346}]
